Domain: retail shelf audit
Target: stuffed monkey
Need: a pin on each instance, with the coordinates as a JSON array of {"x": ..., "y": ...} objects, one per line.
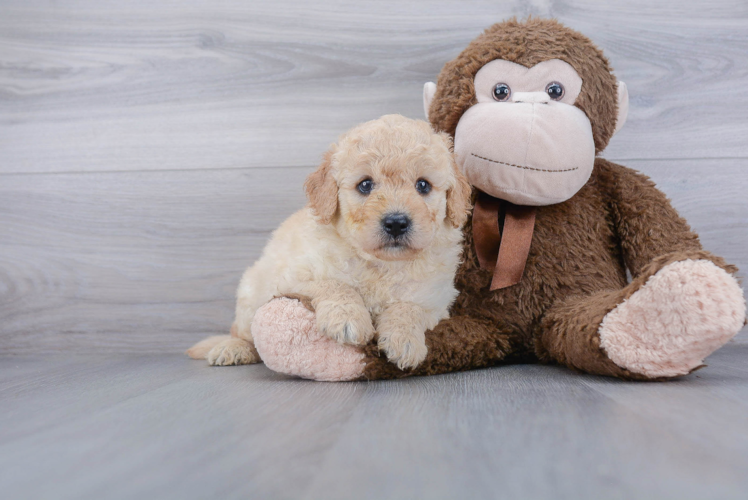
[{"x": 555, "y": 227}]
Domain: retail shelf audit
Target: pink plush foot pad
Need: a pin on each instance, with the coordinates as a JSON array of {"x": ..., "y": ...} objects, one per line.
[
  {"x": 683, "y": 313},
  {"x": 286, "y": 336}
]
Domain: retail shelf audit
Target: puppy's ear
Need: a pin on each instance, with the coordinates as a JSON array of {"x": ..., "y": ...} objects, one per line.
[
  {"x": 458, "y": 199},
  {"x": 322, "y": 190}
]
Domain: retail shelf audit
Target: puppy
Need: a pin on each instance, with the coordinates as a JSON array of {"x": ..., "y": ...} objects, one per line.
[{"x": 375, "y": 250}]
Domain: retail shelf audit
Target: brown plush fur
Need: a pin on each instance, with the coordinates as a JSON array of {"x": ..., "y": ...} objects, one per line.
[
  {"x": 581, "y": 248},
  {"x": 575, "y": 275},
  {"x": 528, "y": 43}
]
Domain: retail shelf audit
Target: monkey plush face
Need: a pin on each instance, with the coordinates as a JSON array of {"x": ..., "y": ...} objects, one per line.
[
  {"x": 524, "y": 140},
  {"x": 530, "y": 128}
]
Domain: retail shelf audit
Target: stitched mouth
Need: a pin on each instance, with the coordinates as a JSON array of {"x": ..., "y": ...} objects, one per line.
[{"x": 523, "y": 166}]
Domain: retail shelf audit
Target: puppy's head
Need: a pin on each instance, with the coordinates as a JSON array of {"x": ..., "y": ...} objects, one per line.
[{"x": 390, "y": 186}]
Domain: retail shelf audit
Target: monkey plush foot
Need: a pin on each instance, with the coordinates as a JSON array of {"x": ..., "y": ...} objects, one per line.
[
  {"x": 288, "y": 340},
  {"x": 683, "y": 313}
]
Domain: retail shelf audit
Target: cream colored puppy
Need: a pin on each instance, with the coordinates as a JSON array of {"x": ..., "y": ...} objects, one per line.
[{"x": 376, "y": 249}]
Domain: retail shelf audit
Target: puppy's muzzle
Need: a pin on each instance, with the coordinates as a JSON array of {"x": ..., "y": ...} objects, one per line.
[{"x": 396, "y": 225}]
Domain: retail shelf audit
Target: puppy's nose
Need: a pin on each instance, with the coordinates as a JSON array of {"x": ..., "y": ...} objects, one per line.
[{"x": 396, "y": 224}]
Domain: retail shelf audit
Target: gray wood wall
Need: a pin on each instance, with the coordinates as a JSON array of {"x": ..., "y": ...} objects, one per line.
[{"x": 147, "y": 149}]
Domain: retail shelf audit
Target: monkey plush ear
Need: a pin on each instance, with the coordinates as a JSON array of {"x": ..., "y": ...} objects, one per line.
[
  {"x": 623, "y": 106},
  {"x": 322, "y": 190},
  {"x": 429, "y": 89}
]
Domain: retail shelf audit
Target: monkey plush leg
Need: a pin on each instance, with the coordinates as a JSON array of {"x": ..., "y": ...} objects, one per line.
[
  {"x": 288, "y": 341},
  {"x": 661, "y": 325}
]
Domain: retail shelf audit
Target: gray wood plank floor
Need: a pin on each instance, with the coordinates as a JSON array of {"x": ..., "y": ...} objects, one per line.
[
  {"x": 158, "y": 426},
  {"x": 148, "y": 149}
]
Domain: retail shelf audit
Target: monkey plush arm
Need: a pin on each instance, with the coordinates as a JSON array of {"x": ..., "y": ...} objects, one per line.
[
  {"x": 651, "y": 232},
  {"x": 289, "y": 342},
  {"x": 455, "y": 344}
]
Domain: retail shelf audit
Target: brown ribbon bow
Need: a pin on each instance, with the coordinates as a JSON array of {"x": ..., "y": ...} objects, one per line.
[{"x": 502, "y": 250}]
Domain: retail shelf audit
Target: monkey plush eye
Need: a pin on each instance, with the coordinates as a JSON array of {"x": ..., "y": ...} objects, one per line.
[
  {"x": 365, "y": 186},
  {"x": 501, "y": 92},
  {"x": 555, "y": 90},
  {"x": 423, "y": 186}
]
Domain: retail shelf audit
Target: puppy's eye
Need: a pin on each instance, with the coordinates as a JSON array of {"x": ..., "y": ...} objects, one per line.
[
  {"x": 365, "y": 186},
  {"x": 501, "y": 92},
  {"x": 423, "y": 186},
  {"x": 555, "y": 90}
]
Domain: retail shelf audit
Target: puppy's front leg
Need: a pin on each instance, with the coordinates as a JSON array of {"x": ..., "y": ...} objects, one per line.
[
  {"x": 401, "y": 328},
  {"x": 340, "y": 311}
]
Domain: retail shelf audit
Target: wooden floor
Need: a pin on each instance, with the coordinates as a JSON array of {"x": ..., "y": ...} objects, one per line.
[
  {"x": 160, "y": 426},
  {"x": 148, "y": 149}
]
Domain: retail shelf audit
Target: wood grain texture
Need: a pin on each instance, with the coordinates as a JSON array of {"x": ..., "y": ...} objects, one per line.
[
  {"x": 104, "y": 85},
  {"x": 147, "y": 151},
  {"x": 109, "y": 261},
  {"x": 163, "y": 426},
  {"x": 149, "y": 261}
]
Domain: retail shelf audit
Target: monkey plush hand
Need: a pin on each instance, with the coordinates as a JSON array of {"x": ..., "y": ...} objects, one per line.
[{"x": 555, "y": 227}]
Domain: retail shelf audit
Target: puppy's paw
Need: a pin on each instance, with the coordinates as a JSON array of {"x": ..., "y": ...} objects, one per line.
[
  {"x": 344, "y": 322},
  {"x": 233, "y": 351},
  {"x": 404, "y": 347}
]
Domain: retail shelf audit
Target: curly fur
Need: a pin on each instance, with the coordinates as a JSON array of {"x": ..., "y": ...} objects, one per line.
[
  {"x": 576, "y": 270},
  {"x": 336, "y": 252}
]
